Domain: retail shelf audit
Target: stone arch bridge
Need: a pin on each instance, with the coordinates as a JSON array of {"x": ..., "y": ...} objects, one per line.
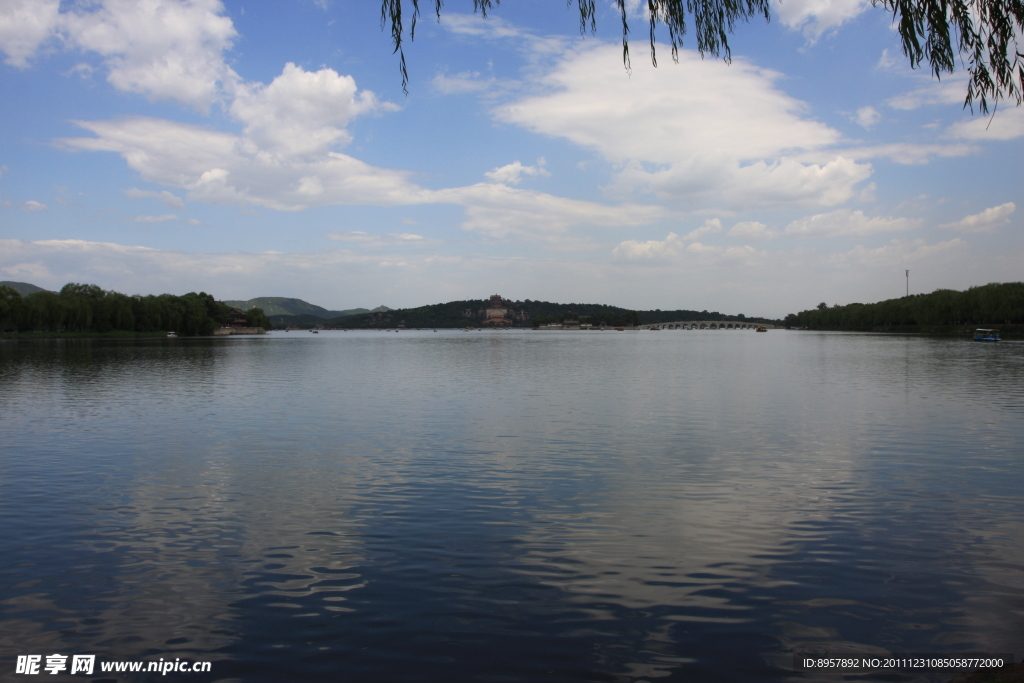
[{"x": 706, "y": 325}]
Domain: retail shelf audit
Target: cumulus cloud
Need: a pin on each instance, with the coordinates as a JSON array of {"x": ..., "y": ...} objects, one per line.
[
  {"x": 986, "y": 221},
  {"x": 724, "y": 183},
  {"x": 866, "y": 117},
  {"x": 710, "y": 227},
  {"x": 662, "y": 115},
  {"x": 511, "y": 174},
  {"x": 163, "y": 49},
  {"x": 699, "y": 131},
  {"x": 1005, "y": 124},
  {"x": 650, "y": 250},
  {"x": 224, "y": 168},
  {"x": 301, "y": 113},
  {"x": 166, "y": 198},
  {"x": 847, "y": 223},
  {"x": 815, "y": 17},
  {"x": 33, "y": 205},
  {"x": 501, "y": 211},
  {"x": 24, "y": 26},
  {"x": 751, "y": 230},
  {"x": 674, "y": 248}
]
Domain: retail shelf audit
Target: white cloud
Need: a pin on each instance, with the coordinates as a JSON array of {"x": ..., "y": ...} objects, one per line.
[
  {"x": 847, "y": 223},
  {"x": 674, "y": 249},
  {"x": 1004, "y": 124},
  {"x": 950, "y": 90},
  {"x": 986, "y": 221},
  {"x": 723, "y": 183},
  {"x": 903, "y": 152},
  {"x": 665, "y": 114},
  {"x": 222, "y": 168},
  {"x": 512, "y": 174},
  {"x": 893, "y": 255},
  {"x": 710, "y": 227},
  {"x": 475, "y": 25},
  {"x": 699, "y": 131},
  {"x": 751, "y": 230},
  {"x": 866, "y": 117},
  {"x": 24, "y": 26},
  {"x": 163, "y": 49},
  {"x": 32, "y": 205},
  {"x": 301, "y": 113},
  {"x": 461, "y": 83},
  {"x": 166, "y": 198},
  {"x": 365, "y": 239},
  {"x": 815, "y": 17},
  {"x": 501, "y": 211},
  {"x": 155, "y": 219},
  {"x": 651, "y": 250}
]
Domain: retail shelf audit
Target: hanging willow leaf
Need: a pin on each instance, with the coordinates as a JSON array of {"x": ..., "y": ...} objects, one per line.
[{"x": 982, "y": 33}]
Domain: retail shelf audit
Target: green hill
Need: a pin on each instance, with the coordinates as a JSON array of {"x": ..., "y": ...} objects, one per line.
[
  {"x": 453, "y": 314},
  {"x": 280, "y": 306},
  {"x": 22, "y": 288}
]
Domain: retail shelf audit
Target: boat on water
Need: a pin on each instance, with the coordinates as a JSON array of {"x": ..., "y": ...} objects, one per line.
[
  {"x": 315, "y": 331},
  {"x": 762, "y": 328},
  {"x": 172, "y": 334},
  {"x": 983, "y": 334}
]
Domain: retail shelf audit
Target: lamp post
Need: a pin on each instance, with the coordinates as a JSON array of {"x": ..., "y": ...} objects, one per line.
[{"x": 908, "y": 283}]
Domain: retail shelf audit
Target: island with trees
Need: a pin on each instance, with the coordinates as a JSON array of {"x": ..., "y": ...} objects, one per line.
[
  {"x": 944, "y": 311},
  {"x": 88, "y": 310}
]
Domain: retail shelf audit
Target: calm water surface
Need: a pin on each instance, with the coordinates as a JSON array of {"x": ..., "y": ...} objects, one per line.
[{"x": 510, "y": 506}]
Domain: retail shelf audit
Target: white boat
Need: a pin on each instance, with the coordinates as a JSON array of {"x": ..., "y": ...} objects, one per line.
[
  {"x": 984, "y": 334},
  {"x": 171, "y": 334}
]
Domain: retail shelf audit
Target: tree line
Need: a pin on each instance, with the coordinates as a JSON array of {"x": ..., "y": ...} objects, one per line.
[
  {"x": 453, "y": 314},
  {"x": 991, "y": 304},
  {"x": 88, "y": 308}
]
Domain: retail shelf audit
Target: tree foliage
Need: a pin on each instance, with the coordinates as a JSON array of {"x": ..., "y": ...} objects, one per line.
[
  {"x": 991, "y": 304},
  {"x": 88, "y": 308},
  {"x": 983, "y": 33}
]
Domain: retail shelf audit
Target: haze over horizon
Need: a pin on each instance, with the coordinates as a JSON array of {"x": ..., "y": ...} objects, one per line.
[{"x": 268, "y": 150}]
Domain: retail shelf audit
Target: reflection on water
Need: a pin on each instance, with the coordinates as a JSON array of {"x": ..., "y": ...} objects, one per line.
[{"x": 514, "y": 506}]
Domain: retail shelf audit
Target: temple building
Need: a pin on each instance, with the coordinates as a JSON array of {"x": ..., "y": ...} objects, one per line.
[{"x": 497, "y": 312}]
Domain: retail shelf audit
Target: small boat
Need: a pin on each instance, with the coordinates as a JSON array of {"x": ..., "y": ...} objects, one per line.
[
  {"x": 172, "y": 334},
  {"x": 762, "y": 328},
  {"x": 986, "y": 335},
  {"x": 315, "y": 331}
]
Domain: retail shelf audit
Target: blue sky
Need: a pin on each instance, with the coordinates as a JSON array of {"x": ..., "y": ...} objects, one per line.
[{"x": 267, "y": 149}]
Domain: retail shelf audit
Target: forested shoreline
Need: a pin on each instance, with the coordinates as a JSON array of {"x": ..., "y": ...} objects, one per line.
[
  {"x": 944, "y": 310},
  {"x": 81, "y": 309}
]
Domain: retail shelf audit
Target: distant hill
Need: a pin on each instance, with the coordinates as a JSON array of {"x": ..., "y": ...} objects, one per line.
[
  {"x": 454, "y": 314},
  {"x": 283, "y": 306},
  {"x": 22, "y": 288}
]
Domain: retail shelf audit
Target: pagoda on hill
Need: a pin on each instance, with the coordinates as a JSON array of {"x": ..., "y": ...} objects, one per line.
[{"x": 496, "y": 312}]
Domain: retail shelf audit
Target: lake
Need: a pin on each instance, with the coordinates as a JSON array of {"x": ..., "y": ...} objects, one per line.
[{"x": 510, "y": 505}]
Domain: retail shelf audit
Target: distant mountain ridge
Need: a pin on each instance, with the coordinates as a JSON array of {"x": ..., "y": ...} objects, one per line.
[
  {"x": 279, "y": 305},
  {"x": 23, "y": 288}
]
